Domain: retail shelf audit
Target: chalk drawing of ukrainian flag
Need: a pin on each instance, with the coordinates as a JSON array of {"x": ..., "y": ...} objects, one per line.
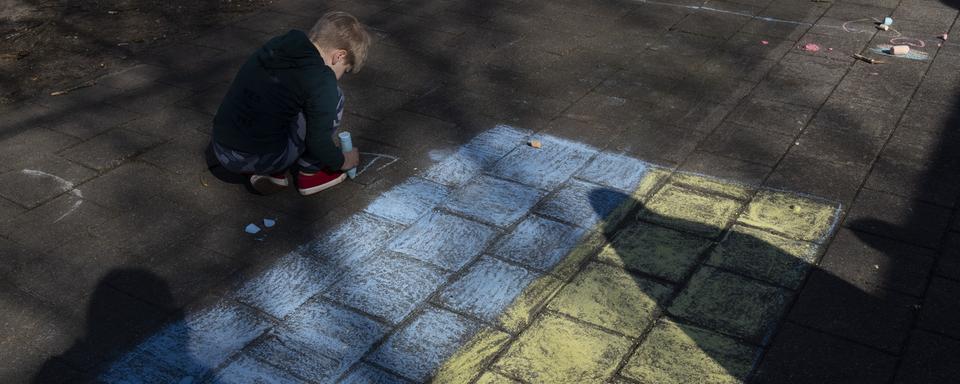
[{"x": 506, "y": 262}]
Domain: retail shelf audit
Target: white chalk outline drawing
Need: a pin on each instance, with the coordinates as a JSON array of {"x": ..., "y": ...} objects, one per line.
[
  {"x": 66, "y": 185},
  {"x": 378, "y": 156}
]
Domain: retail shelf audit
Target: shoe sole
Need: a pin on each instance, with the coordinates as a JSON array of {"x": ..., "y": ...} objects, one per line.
[
  {"x": 321, "y": 187},
  {"x": 265, "y": 186}
]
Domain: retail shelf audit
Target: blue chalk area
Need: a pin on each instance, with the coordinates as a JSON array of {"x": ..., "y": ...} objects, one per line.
[
  {"x": 245, "y": 370},
  {"x": 581, "y": 203},
  {"x": 408, "y": 201},
  {"x": 368, "y": 374},
  {"x": 615, "y": 171},
  {"x": 444, "y": 240},
  {"x": 190, "y": 347},
  {"x": 320, "y": 341},
  {"x": 477, "y": 156},
  {"x": 494, "y": 201},
  {"x": 487, "y": 289},
  {"x": 388, "y": 286},
  {"x": 546, "y": 167},
  {"x": 353, "y": 240},
  {"x": 417, "y": 350},
  {"x": 289, "y": 283},
  {"x": 538, "y": 243}
]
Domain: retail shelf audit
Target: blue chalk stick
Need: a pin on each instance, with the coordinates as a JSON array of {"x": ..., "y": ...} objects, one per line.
[{"x": 346, "y": 144}]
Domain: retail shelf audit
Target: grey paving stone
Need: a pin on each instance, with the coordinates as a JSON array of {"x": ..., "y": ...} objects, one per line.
[
  {"x": 733, "y": 62},
  {"x": 31, "y": 144},
  {"x": 712, "y": 24},
  {"x": 206, "y": 101},
  {"x": 55, "y": 222},
  {"x": 389, "y": 286},
  {"x": 149, "y": 98},
  {"x": 538, "y": 243},
  {"x": 33, "y": 182},
  {"x": 131, "y": 78},
  {"x": 929, "y": 118},
  {"x": 545, "y": 167},
  {"x": 245, "y": 369},
  {"x": 877, "y": 318},
  {"x": 654, "y": 250},
  {"x": 319, "y": 341},
  {"x": 608, "y": 109},
  {"x": 703, "y": 116},
  {"x": 9, "y": 210},
  {"x": 810, "y": 67},
  {"x": 775, "y": 116},
  {"x": 817, "y": 177},
  {"x": 638, "y": 86},
  {"x": 800, "y": 92},
  {"x": 29, "y": 326},
  {"x": 765, "y": 256},
  {"x": 184, "y": 155},
  {"x": 171, "y": 122},
  {"x": 941, "y": 312},
  {"x": 725, "y": 167},
  {"x": 852, "y": 11},
  {"x": 868, "y": 261},
  {"x": 841, "y": 113},
  {"x": 487, "y": 289},
  {"x": 801, "y": 355},
  {"x": 788, "y": 31},
  {"x": 793, "y": 11},
  {"x": 615, "y": 170},
  {"x": 494, "y": 201},
  {"x": 747, "y": 143},
  {"x": 893, "y": 173},
  {"x": 582, "y": 204},
  {"x": 929, "y": 359},
  {"x": 567, "y": 128},
  {"x": 907, "y": 220},
  {"x": 659, "y": 143},
  {"x": 418, "y": 349},
  {"x": 752, "y": 47},
  {"x": 126, "y": 186},
  {"x": 887, "y": 95},
  {"x": 21, "y": 117},
  {"x": 844, "y": 147},
  {"x": 275, "y": 23},
  {"x": 938, "y": 16},
  {"x": 77, "y": 100},
  {"x": 89, "y": 121},
  {"x": 110, "y": 149},
  {"x": 368, "y": 374},
  {"x": 446, "y": 241},
  {"x": 155, "y": 224},
  {"x": 182, "y": 57},
  {"x": 948, "y": 264},
  {"x": 373, "y": 101},
  {"x": 717, "y": 89},
  {"x": 191, "y": 346},
  {"x": 731, "y": 304}
]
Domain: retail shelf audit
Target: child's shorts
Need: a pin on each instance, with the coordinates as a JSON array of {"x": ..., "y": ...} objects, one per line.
[{"x": 265, "y": 164}]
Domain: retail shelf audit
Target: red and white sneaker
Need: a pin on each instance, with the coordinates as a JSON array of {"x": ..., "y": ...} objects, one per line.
[
  {"x": 269, "y": 184},
  {"x": 310, "y": 183}
]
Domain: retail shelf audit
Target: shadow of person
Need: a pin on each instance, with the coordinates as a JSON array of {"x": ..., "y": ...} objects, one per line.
[
  {"x": 742, "y": 303},
  {"x": 113, "y": 326}
]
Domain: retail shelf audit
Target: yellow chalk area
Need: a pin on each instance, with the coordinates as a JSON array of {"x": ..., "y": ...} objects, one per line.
[{"x": 603, "y": 313}]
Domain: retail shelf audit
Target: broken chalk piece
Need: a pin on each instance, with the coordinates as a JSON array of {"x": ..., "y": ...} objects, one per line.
[
  {"x": 888, "y": 20},
  {"x": 535, "y": 143},
  {"x": 883, "y": 27},
  {"x": 900, "y": 49},
  {"x": 764, "y": 42},
  {"x": 269, "y": 223},
  {"x": 251, "y": 229},
  {"x": 811, "y": 47},
  {"x": 944, "y": 37},
  {"x": 346, "y": 145}
]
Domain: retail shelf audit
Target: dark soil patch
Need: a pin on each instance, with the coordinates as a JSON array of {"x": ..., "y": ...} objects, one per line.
[{"x": 47, "y": 46}]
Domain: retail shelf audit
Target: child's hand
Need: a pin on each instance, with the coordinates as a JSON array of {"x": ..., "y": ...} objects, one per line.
[{"x": 351, "y": 159}]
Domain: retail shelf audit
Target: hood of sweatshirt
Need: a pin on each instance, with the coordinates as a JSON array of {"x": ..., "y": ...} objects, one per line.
[{"x": 291, "y": 50}]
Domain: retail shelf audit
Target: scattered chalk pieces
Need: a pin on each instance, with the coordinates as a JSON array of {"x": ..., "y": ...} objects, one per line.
[
  {"x": 252, "y": 229},
  {"x": 811, "y": 47},
  {"x": 944, "y": 37},
  {"x": 888, "y": 20},
  {"x": 269, "y": 223},
  {"x": 883, "y": 27},
  {"x": 535, "y": 143},
  {"x": 764, "y": 42}
]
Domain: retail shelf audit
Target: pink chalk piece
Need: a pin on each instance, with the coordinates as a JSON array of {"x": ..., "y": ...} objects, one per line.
[
  {"x": 811, "y": 47},
  {"x": 900, "y": 49},
  {"x": 829, "y": 49},
  {"x": 944, "y": 37},
  {"x": 764, "y": 42}
]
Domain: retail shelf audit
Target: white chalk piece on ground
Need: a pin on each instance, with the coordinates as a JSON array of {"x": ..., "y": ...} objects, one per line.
[
  {"x": 535, "y": 143},
  {"x": 888, "y": 20},
  {"x": 269, "y": 223},
  {"x": 900, "y": 49},
  {"x": 252, "y": 229},
  {"x": 346, "y": 145},
  {"x": 883, "y": 27},
  {"x": 944, "y": 37}
]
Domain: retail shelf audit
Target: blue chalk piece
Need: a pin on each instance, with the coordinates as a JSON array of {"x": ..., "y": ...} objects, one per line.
[
  {"x": 319, "y": 341},
  {"x": 487, "y": 288},
  {"x": 538, "y": 243},
  {"x": 368, "y": 374},
  {"x": 252, "y": 229},
  {"x": 581, "y": 203},
  {"x": 546, "y": 167},
  {"x": 615, "y": 171},
  {"x": 246, "y": 370},
  {"x": 346, "y": 145},
  {"x": 269, "y": 223},
  {"x": 389, "y": 286},
  {"x": 888, "y": 20},
  {"x": 286, "y": 285},
  {"x": 421, "y": 347},
  {"x": 409, "y": 201},
  {"x": 444, "y": 240},
  {"x": 494, "y": 201}
]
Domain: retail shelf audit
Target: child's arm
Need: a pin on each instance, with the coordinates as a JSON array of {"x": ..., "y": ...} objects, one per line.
[{"x": 320, "y": 112}]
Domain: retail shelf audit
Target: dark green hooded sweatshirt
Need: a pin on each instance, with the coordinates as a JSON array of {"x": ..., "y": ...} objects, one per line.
[{"x": 283, "y": 78}]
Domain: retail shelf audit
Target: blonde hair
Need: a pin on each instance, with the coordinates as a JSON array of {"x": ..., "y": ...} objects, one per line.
[{"x": 340, "y": 30}]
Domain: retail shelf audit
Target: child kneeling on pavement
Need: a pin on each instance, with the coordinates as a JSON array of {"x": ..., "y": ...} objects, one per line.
[{"x": 284, "y": 107}]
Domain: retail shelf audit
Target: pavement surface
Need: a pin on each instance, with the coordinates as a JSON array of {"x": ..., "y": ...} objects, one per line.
[{"x": 724, "y": 194}]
